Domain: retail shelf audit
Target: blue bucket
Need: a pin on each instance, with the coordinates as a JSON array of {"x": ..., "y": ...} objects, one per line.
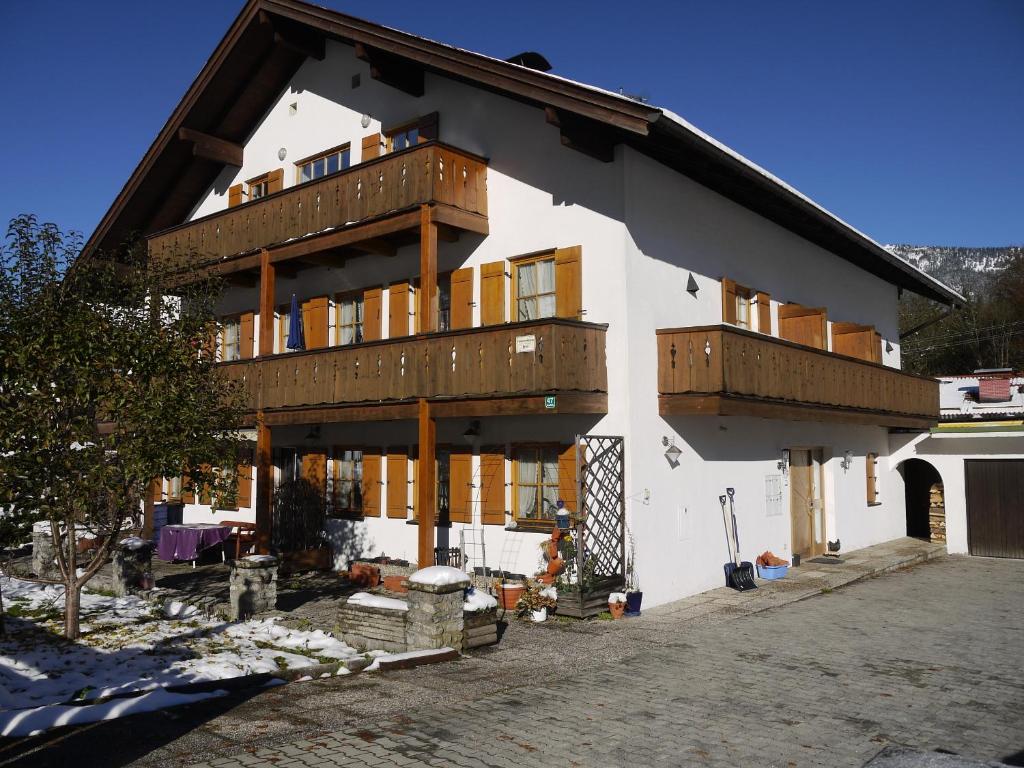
[
  {"x": 772, "y": 572},
  {"x": 562, "y": 520}
]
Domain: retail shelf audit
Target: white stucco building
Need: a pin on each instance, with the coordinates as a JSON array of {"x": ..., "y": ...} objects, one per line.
[{"x": 491, "y": 261}]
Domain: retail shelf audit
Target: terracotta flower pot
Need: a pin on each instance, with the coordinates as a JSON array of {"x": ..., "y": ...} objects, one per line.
[
  {"x": 365, "y": 575},
  {"x": 545, "y": 578},
  {"x": 395, "y": 584},
  {"x": 616, "y": 610},
  {"x": 509, "y": 594},
  {"x": 556, "y": 566},
  {"x": 556, "y": 534}
]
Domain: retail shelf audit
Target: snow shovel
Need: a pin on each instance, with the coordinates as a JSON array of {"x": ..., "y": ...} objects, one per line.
[
  {"x": 730, "y": 566},
  {"x": 742, "y": 576}
]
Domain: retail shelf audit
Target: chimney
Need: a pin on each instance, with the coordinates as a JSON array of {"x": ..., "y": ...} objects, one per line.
[{"x": 994, "y": 384}]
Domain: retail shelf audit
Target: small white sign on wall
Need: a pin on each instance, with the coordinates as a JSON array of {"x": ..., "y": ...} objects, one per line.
[
  {"x": 526, "y": 343},
  {"x": 773, "y": 495}
]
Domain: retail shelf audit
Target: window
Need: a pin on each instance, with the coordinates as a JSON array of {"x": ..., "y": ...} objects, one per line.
[
  {"x": 231, "y": 339},
  {"x": 284, "y": 317},
  {"x": 444, "y": 464},
  {"x": 404, "y": 137},
  {"x": 534, "y": 287},
  {"x": 535, "y": 472},
  {"x": 289, "y": 464},
  {"x": 324, "y": 164},
  {"x": 259, "y": 187},
  {"x": 871, "y": 461},
  {"x": 444, "y": 302},
  {"x": 346, "y": 490},
  {"x": 348, "y": 315},
  {"x": 743, "y": 307}
]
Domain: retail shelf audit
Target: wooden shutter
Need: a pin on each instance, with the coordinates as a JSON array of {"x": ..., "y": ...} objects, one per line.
[
  {"x": 155, "y": 489},
  {"x": 462, "y": 298},
  {"x": 804, "y": 325},
  {"x": 371, "y": 483},
  {"x": 428, "y": 128},
  {"x": 567, "y": 477},
  {"x": 244, "y": 477},
  {"x": 492, "y": 487},
  {"x": 314, "y": 468},
  {"x": 876, "y": 350},
  {"x": 188, "y": 495},
  {"x": 569, "y": 282},
  {"x": 371, "y": 146},
  {"x": 204, "y": 492},
  {"x": 764, "y": 312},
  {"x": 246, "y": 323},
  {"x": 871, "y": 461},
  {"x": 315, "y": 321},
  {"x": 492, "y": 293},
  {"x": 275, "y": 181},
  {"x": 372, "y": 299},
  {"x": 398, "y": 484},
  {"x": 234, "y": 195},
  {"x": 398, "y": 310},
  {"x": 460, "y": 487},
  {"x": 728, "y": 301},
  {"x": 210, "y": 344}
]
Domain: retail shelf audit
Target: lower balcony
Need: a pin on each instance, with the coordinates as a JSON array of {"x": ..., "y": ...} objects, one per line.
[
  {"x": 547, "y": 366},
  {"x": 721, "y": 370}
]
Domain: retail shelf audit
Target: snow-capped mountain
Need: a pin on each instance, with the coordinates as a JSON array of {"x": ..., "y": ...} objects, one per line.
[{"x": 949, "y": 263}]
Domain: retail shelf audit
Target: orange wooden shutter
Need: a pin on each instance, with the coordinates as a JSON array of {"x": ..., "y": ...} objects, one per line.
[
  {"x": 398, "y": 484},
  {"x": 372, "y": 299},
  {"x": 188, "y": 495},
  {"x": 314, "y": 468},
  {"x": 462, "y": 298},
  {"x": 871, "y": 463},
  {"x": 371, "y": 483},
  {"x": 492, "y": 293},
  {"x": 569, "y": 282},
  {"x": 371, "y": 146},
  {"x": 764, "y": 312},
  {"x": 876, "y": 351},
  {"x": 567, "y": 477},
  {"x": 244, "y": 484},
  {"x": 803, "y": 325},
  {"x": 314, "y": 322},
  {"x": 246, "y": 325},
  {"x": 204, "y": 492},
  {"x": 234, "y": 195},
  {"x": 155, "y": 489},
  {"x": 460, "y": 487},
  {"x": 728, "y": 301},
  {"x": 275, "y": 181},
  {"x": 492, "y": 487},
  {"x": 398, "y": 310}
]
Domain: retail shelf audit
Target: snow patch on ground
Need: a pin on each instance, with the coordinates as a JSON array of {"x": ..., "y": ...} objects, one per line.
[{"x": 377, "y": 601}]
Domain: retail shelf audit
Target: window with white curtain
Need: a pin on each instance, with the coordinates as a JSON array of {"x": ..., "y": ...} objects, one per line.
[
  {"x": 535, "y": 288},
  {"x": 348, "y": 314},
  {"x": 536, "y": 482}
]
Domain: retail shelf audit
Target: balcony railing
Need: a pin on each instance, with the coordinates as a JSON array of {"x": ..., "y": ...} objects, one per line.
[
  {"x": 536, "y": 357},
  {"x": 428, "y": 173},
  {"x": 720, "y": 370}
]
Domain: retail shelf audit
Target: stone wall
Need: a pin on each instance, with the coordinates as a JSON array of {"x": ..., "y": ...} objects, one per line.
[
  {"x": 368, "y": 628},
  {"x": 253, "y": 586}
]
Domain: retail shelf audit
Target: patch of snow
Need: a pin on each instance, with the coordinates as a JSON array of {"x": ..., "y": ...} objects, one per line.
[
  {"x": 617, "y": 597},
  {"x": 439, "y": 576},
  {"x": 477, "y": 602},
  {"x": 175, "y": 609},
  {"x": 404, "y": 656},
  {"x": 378, "y": 601},
  {"x": 550, "y": 591},
  {"x": 260, "y": 558},
  {"x": 134, "y": 543}
]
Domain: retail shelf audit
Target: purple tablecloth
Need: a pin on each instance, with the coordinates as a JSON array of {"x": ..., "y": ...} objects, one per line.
[{"x": 185, "y": 542}]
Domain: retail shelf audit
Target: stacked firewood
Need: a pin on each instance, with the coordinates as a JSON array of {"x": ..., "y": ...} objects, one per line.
[{"x": 937, "y": 514}]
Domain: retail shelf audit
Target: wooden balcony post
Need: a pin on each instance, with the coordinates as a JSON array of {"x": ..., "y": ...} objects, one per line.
[
  {"x": 264, "y": 486},
  {"x": 268, "y": 279},
  {"x": 426, "y": 504},
  {"x": 427, "y": 301}
]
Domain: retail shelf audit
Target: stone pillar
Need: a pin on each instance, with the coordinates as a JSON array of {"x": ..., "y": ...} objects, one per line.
[
  {"x": 44, "y": 553},
  {"x": 253, "y": 586},
  {"x": 132, "y": 564},
  {"x": 436, "y": 599}
]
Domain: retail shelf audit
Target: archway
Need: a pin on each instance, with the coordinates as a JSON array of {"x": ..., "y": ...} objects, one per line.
[{"x": 924, "y": 500}]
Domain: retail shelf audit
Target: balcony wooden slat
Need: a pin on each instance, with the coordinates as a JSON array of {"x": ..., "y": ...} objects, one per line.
[{"x": 763, "y": 369}]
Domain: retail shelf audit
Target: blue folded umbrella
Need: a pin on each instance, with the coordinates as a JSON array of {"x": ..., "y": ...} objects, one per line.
[{"x": 296, "y": 338}]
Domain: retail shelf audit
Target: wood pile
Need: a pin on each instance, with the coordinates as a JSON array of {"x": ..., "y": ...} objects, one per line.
[{"x": 937, "y": 514}]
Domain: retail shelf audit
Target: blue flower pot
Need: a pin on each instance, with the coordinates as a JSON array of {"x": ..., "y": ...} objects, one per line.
[
  {"x": 633, "y": 600},
  {"x": 562, "y": 520}
]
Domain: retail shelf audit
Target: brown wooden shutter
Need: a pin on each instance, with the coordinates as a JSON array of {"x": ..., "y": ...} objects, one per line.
[
  {"x": 462, "y": 298},
  {"x": 428, "y": 128},
  {"x": 871, "y": 461},
  {"x": 492, "y": 487},
  {"x": 804, "y": 325},
  {"x": 398, "y": 310},
  {"x": 314, "y": 468},
  {"x": 371, "y": 483},
  {"x": 398, "y": 484},
  {"x": 371, "y": 146},
  {"x": 204, "y": 492},
  {"x": 764, "y": 312},
  {"x": 188, "y": 495},
  {"x": 155, "y": 490},
  {"x": 315, "y": 322},
  {"x": 569, "y": 282},
  {"x": 876, "y": 350},
  {"x": 567, "y": 477},
  {"x": 275, "y": 181},
  {"x": 246, "y": 335},
  {"x": 460, "y": 487},
  {"x": 210, "y": 344},
  {"x": 372, "y": 300},
  {"x": 234, "y": 195},
  {"x": 728, "y": 301},
  {"x": 492, "y": 293},
  {"x": 244, "y": 484}
]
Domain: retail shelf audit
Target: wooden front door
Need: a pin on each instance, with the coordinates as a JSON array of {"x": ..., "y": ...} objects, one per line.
[
  {"x": 807, "y": 507},
  {"x": 995, "y": 507}
]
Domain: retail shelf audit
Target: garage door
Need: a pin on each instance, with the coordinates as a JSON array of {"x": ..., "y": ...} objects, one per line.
[{"x": 995, "y": 507}]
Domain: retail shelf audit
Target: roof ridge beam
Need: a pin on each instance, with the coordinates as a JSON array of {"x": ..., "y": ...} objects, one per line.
[
  {"x": 209, "y": 147},
  {"x": 392, "y": 70}
]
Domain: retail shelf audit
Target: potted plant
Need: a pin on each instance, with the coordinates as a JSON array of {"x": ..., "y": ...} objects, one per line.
[
  {"x": 617, "y": 604},
  {"x": 536, "y": 600},
  {"x": 634, "y": 597},
  {"x": 508, "y": 593}
]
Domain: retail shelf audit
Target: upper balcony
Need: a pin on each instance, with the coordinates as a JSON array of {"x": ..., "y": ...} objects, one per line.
[
  {"x": 540, "y": 366},
  {"x": 723, "y": 370},
  {"x": 380, "y": 190}
]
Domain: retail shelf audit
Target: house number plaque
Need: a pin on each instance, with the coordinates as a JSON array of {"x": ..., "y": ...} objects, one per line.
[{"x": 526, "y": 343}]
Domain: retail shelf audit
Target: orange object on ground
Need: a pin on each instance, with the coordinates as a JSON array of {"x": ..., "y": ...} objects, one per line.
[{"x": 767, "y": 558}]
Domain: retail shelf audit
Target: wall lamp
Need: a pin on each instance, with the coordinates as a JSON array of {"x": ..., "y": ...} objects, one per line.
[
  {"x": 847, "y": 460},
  {"x": 472, "y": 432},
  {"x": 783, "y": 463}
]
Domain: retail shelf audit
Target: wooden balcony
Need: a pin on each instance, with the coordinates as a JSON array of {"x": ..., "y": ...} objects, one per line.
[
  {"x": 722, "y": 370},
  {"x": 472, "y": 372},
  {"x": 380, "y": 189}
]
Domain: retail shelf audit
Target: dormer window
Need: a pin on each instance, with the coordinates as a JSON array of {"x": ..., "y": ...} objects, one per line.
[{"x": 323, "y": 164}]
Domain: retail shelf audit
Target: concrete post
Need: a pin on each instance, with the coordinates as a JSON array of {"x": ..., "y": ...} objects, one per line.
[
  {"x": 133, "y": 559},
  {"x": 253, "y": 586},
  {"x": 436, "y": 601}
]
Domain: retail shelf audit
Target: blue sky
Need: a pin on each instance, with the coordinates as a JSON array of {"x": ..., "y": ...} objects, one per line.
[{"x": 905, "y": 118}]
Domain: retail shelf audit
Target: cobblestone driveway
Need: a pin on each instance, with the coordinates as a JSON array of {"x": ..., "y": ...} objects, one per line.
[{"x": 929, "y": 658}]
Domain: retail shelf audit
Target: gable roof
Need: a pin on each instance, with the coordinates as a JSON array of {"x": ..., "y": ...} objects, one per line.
[{"x": 270, "y": 39}]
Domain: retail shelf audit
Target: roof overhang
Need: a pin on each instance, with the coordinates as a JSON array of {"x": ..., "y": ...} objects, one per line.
[{"x": 270, "y": 39}]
